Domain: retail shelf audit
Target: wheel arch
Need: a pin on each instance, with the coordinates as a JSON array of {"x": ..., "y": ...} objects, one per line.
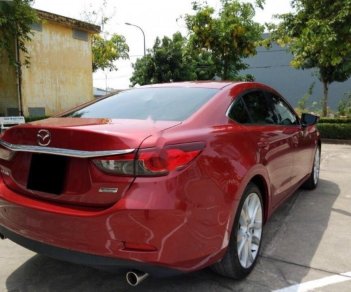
[{"x": 261, "y": 183}]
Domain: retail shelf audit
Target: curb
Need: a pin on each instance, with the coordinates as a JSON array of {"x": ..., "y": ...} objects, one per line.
[{"x": 336, "y": 141}]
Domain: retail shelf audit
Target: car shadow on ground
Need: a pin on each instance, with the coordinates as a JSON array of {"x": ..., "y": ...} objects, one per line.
[{"x": 291, "y": 237}]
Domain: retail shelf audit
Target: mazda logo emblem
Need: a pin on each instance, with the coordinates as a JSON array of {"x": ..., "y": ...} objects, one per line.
[{"x": 43, "y": 137}]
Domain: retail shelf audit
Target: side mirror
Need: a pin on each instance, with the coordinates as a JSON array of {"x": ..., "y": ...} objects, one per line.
[{"x": 308, "y": 119}]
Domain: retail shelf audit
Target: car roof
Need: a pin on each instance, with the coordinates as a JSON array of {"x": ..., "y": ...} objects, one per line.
[{"x": 194, "y": 84}]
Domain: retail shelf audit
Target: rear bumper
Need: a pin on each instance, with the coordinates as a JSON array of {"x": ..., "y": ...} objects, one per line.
[
  {"x": 150, "y": 226},
  {"x": 106, "y": 263}
]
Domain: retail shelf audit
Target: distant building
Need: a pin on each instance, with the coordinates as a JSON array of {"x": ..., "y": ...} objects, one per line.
[
  {"x": 60, "y": 72},
  {"x": 272, "y": 67}
]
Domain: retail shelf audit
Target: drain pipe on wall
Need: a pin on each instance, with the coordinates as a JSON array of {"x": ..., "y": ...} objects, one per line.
[{"x": 18, "y": 78}]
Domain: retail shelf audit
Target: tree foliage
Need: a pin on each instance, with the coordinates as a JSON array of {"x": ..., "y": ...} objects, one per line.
[
  {"x": 107, "y": 48},
  {"x": 260, "y": 3},
  {"x": 228, "y": 36},
  {"x": 344, "y": 106},
  {"x": 107, "y": 51},
  {"x": 16, "y": 18},
  {"x": 318, "y": 35},
  {"x": 215, "y": 47},
  {"x": 171, "y": 60}
]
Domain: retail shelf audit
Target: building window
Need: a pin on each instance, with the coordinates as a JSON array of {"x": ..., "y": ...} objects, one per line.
[
  {"x": 80, "y": 35},
  {"x": 12, "y": 111},
  {"x": 36, "y": 111},
  {"x": 36, "y": 26}
]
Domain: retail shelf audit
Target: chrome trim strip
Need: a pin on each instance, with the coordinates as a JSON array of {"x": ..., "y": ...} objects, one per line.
[{"x": 62, "y": 151}]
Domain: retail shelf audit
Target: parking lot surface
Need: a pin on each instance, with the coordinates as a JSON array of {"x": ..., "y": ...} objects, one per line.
[{"x": 306, "y": 247}]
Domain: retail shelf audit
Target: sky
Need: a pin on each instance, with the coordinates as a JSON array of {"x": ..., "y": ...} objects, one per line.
[{"x": 156, "y": 17}]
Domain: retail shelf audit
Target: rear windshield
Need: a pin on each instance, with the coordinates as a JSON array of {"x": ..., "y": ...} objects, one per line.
[{"x": 158, "y": 104}]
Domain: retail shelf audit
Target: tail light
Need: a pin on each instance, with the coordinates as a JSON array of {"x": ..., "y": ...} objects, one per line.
[
  {"x": 151, "y": 161},
  {"x": 6, "y": 154},
  {"x": 119, "y": 165}
]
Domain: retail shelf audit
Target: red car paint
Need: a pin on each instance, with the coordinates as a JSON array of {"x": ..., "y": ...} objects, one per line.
[{"x": 181, "y": 220}]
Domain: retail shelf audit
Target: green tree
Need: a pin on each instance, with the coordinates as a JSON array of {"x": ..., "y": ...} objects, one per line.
[
  {"x": 108, "y": 50},
  {"x": 171, "y": 60},
  {"x": 344, "y": 106},
  {"x": 228, "y": 36},
  {"x": 318, "y": 35},
  {"x": 302, "y": 103},
  {"x": 144, "y": 69},
  {"x": 202, "y": 64},
  {"x": 16, "y": 18}
]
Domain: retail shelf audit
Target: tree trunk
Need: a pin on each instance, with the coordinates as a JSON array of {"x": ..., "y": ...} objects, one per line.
[
  {"x": 225, "y": 71},
  {"x": 225, "y": 67},
  {"x": 325, "y": 99},
  {"x": 19, "y": 78}
]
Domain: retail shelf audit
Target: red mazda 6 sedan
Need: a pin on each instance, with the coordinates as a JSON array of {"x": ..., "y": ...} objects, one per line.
[{"x": 160, "y": 179}]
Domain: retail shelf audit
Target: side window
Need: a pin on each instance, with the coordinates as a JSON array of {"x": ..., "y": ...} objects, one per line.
[
  {"x": 259, "y": 110},
  {"x": 238, "y": 112},
  {"x": 284, "y": 114}
]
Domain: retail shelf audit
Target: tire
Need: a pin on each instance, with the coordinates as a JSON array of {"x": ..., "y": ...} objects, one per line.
[
  {"x": 312, "y": 181},
  {"x": 245, "y": 240}
]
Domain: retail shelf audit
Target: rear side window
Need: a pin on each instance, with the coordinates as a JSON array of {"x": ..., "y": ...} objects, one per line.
[
  {"x": 157, "y": 104},
  {"x": 238, "y": 112},
  {"x": 259, "y": 110},
  {"x": 285, "y": 115}
]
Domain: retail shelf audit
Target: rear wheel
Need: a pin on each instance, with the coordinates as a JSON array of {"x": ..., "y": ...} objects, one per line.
[
  {"x": 245, "y": 241},
  {"x": 313, "y": 179}
]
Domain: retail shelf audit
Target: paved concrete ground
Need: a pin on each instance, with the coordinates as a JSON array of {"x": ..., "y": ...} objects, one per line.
[{"x": 308, "y": 239}]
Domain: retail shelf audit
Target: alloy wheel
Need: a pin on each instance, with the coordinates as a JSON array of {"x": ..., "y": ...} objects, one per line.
[
  {"x": 250, "y": 230},
  {"x": 316, "y": 167}
]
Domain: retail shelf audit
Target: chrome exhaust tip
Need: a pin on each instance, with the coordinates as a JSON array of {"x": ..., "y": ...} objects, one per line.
[
  {"x": 134, "y": 278},
  {"x": 2, "y": 236}
]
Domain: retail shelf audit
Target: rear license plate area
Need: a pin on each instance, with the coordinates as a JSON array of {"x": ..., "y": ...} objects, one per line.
[{"x": 47, "y": 173}]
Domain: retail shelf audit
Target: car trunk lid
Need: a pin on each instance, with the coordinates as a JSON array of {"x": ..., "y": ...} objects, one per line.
[{"x": 62, "y": 171}]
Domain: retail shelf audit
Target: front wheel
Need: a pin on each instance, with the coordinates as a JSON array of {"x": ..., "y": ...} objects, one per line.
[
  {"x": 312, "y": 181},
  {"x": 245, "y": 241}
]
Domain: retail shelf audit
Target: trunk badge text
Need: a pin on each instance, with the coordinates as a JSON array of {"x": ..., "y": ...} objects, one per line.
[
  {"x": 5, "y": 171},
  {"x": 43, "y": 137},
  {"x": 108, "y": 190}
]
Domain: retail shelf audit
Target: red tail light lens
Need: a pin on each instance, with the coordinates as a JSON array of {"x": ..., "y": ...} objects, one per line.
[{"x": 151, "y": 162}]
